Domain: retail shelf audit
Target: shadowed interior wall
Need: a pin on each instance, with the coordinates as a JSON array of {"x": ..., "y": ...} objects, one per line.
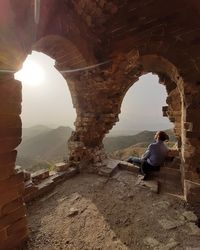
[{"x": 132, "y": 38}]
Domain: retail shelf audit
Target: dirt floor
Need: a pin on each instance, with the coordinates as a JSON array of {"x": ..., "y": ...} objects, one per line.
[{"x": 93, "y": 212}]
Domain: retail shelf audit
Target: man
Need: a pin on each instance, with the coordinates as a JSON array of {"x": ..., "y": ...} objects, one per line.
[{"x": 154, "y": 157}]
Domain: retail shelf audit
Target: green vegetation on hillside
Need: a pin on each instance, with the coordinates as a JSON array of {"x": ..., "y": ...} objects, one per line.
[{"x": 48, "y": 146}]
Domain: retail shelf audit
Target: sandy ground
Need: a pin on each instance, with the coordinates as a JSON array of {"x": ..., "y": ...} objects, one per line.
[{"x": 93, "y": 212}]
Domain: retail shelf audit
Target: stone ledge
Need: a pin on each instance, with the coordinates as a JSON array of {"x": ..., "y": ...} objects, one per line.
[
  {"x": 61, "y": 166},
  {"x": 33, "y": 190},
  {"x": 109, "y": 167}
]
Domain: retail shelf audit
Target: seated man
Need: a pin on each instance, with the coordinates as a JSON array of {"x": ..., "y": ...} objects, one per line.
[{"x": 154, "y": 157}]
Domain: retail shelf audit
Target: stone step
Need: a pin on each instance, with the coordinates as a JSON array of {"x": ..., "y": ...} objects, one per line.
[
  {"x": 165, "y": 171},
  {"x": 110, "y": 167},
  {"x": 64, "y": 175}
]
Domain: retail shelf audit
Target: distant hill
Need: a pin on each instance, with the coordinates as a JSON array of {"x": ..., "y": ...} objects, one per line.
[
  {"x": 121, "y": 142},
  {"x": 50, "y": 145},
  {"x": 31, "y": 132}
]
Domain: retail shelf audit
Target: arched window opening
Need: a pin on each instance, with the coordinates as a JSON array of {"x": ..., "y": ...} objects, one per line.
[
  {"x": 141, "y": 115},
  {"x": 47, "y": 113}
]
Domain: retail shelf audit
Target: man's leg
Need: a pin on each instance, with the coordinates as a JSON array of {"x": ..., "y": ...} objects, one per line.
[
  {"x": 135, "y": 160},
  {"x": 145, "y": 169}
]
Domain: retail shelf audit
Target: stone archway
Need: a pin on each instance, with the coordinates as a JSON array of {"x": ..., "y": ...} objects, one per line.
[
  {"x": 108, "y": 88},
  {"x": 100, "y": 32}
]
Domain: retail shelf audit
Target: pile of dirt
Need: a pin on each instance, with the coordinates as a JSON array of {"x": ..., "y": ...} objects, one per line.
[{"x": 93, "y": 212}]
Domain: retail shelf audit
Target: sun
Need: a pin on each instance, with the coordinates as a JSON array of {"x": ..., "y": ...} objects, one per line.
[{"x": 32, "y": 73}]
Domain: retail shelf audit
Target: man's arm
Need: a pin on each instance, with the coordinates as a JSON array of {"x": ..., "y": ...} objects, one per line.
[{"x": 147, "y": 153}]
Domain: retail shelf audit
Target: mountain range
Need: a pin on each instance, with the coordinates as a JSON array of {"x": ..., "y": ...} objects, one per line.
[{"x": 40, "y": 144}]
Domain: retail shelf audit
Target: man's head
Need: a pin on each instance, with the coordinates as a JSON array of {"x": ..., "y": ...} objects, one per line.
[{"x": 161, "y": 136}]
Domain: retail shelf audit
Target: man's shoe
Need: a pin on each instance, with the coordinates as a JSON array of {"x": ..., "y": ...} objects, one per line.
[{"x": 145, "y": 177}]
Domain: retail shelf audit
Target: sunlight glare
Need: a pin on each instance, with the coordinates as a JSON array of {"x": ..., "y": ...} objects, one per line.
[{"x": 31, "y": 73}]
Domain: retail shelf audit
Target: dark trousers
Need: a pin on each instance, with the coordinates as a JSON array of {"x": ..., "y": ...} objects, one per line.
[{"x": 144, "y": 167}]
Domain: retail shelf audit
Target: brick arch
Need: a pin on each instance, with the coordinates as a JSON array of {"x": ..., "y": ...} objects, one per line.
[
  {"x": 168, "y": 76},
  {"x": 103, "y": 95},
  {"x": 67, "y": 57}
]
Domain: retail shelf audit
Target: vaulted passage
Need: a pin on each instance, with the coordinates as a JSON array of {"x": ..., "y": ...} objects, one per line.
[{"x": 101, "y": 48}]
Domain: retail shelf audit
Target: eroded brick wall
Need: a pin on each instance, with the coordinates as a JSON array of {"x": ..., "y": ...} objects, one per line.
[{"x": 13, "y": 222}]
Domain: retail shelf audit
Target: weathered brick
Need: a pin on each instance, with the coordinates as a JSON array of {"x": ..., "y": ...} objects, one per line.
[
  {"x": 6, "y": 170},
  {"x": 16, "y": 240},
  {"x": 3, "y": 235},
  {"x": 8, "y": 158},
  {"x": 62, "y": 166},
  {"x": 12, "y": 217},
  {"x": 40, "y": 175},
  {"x": 17, "y": 226},
  {"x": 10, "y": 91},
  {"x": 10, "y": 108},
  {"x": 27, "y": 175},
  {"x": 10, "y": 121},
  {"x": 8, "y": 144},
  {"x": 8, "y": 196},
  {"x": 11, "y": 182},
  {"x": 10, "y": 132},
  {"x": 12, "y": 206}
]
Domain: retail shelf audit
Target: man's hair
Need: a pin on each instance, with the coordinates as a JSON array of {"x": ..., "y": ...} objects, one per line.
[{"x": 163, "y": 136}]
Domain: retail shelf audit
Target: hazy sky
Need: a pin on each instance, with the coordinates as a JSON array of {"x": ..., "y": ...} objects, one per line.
[{"x": 47, "y": 100}]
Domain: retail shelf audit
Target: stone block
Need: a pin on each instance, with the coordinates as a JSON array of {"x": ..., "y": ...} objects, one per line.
[
  {"x": 61, "y": 176},
  {"x": 109, "y": 167},
  {"x": 45, "y": 186},
  {"x": 40, "y": 175},
  {"x": 193, "y": 229},
  {"x": 170, "y": 224},
  {"x": 27, "y": 175},
  {"x": 190, "y": 216},
  {"x": 12, "y": 217},
  {"x": 30, "y": 191},
  {"x": 62, "y": 166}
]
